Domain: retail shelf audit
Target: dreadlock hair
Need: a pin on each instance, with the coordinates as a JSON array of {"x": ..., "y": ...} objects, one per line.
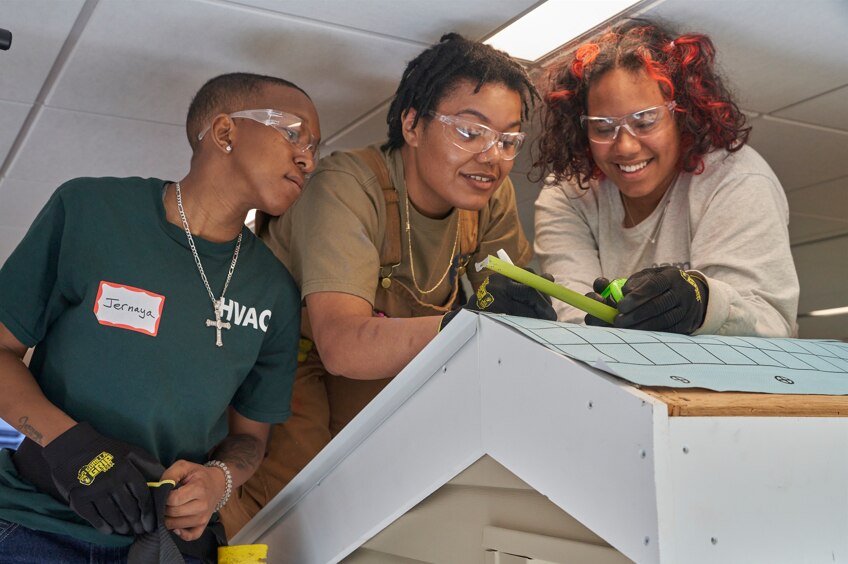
[
  {"x": 226, "y": 94},
  {"x": 434, "y": 73},
  {"x": 682, "y": 65}
]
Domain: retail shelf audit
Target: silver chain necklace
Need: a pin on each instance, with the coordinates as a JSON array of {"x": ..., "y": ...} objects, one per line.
[
  {"x": 653, "y": 237},
  {"x": 216, "y": 304}
]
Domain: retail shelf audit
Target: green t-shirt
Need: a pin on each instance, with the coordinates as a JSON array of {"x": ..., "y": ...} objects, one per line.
[{"x": 109, "y": 291}]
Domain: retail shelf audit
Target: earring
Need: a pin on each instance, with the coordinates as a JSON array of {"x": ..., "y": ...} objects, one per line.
[{"x": 229, "y": 148}]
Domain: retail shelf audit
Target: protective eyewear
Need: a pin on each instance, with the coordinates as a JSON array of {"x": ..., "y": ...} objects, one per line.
[
  {"x": 477, "y": 138},
  {"x": 290, "y": 126},
  {"x": 638, "y": 124}
]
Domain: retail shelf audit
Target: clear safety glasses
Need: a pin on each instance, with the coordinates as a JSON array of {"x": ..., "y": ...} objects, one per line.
[
  {"x": 477, "y": 138},
  {"x": 290, "y": 126},
  {"x": 638, "y": 124}
]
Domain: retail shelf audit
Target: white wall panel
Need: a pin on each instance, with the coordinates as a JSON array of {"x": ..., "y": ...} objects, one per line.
[{"x": 733, "y": 468}]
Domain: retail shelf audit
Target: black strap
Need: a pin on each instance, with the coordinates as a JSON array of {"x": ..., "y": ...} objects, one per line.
[{"x": 158, "y": 546}]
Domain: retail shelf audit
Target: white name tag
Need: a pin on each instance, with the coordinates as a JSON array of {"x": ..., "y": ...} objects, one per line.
[{"x": 128, "y": 308}]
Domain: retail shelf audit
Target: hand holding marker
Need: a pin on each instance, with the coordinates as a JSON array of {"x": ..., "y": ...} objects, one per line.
[{"x": 504, "y": 266}]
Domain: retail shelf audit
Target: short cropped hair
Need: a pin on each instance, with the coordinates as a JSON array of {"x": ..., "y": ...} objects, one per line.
[
  {"x": 226, "y": 94},
  {"x": 433, "y": 74}
]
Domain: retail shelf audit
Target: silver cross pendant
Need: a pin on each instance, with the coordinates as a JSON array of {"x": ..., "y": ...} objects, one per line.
[{"x": 218, "y": 324}]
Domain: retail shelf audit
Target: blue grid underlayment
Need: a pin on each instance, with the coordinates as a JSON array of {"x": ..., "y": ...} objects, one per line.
[{"x": 742, "y": 364}]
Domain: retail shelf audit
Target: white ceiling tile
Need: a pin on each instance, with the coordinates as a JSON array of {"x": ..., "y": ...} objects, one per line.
[
  {"x": 146, "y": 60},
  {"x": 800, "y": 155},
  {"x": 39, "y": 29},
  {"x": 803, "y": 228},
  {"x": 12, "y": 116},
  {"x": 822, "y": 269},
  {"x": 409, "y": 19},
  {"x": 829, "y": 110},
  {"x": 819, "y": 211},
  {"x": 21, "y": 200},
  {"x": 63, "y": 145},
  {"x": 9, "y": 239},
  {"x": 372, "y": 129},
  {"x": 775, "y": 52}
]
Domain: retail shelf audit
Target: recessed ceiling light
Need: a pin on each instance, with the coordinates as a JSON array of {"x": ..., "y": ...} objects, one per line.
[
  {"x": 552, "y": 24},
  {"x": 827, "y": 312}
]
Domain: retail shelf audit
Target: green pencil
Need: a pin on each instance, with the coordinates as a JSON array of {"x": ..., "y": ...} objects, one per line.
[{"x": 572, "y": 298}]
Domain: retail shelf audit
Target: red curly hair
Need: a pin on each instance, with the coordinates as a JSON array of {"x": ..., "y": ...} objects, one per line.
[{"x": 684, "y": 69}]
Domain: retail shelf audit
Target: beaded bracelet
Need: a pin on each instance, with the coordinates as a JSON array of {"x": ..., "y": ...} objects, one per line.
[{"x": 229, "y": 489}]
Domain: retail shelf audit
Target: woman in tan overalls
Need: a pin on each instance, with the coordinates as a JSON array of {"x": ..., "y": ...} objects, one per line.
[{"x": 381, "y": 236}]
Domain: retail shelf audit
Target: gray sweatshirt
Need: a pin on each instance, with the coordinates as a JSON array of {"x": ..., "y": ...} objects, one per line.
[{"x": 729, "y": 223}]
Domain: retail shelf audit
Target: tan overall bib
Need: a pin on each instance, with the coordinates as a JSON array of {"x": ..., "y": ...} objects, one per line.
[{"x": 322, "y": 404}]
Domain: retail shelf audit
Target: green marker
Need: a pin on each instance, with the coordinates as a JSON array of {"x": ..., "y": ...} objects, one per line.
[
  {"x": 614, "y": 289},
  {"x": 572, "y": 298}
]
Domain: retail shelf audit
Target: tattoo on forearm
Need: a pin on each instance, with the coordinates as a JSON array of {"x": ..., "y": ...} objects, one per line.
[
  {"x": 242, "y": 450},
  {"x": 28, "y": 430}
]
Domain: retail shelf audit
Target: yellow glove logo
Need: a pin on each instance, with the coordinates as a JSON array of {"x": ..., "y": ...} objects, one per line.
[
  {"x": 689, "y": 280},
  {"x": 484, "y": 298},
  {"x": 99, "y": 464}
]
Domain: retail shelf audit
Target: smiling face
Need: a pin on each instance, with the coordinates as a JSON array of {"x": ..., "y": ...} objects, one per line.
[
  {"x": 439, "y": 175},
  {"x": 641, "y": 167},
  {"x": 272, "y": 168}
]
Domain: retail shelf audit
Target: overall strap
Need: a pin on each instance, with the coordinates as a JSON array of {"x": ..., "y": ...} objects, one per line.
[
  {"x": 468, "y": 235},
  {"x": 390, "y": 253}
]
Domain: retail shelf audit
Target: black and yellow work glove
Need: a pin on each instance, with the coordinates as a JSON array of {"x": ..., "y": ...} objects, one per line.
[
  {"x": 662, "y": 299},
  {"x": 104, "y": 480},
  {"x": 598, "y": 287},
  {"x": 499, "y": 294}
]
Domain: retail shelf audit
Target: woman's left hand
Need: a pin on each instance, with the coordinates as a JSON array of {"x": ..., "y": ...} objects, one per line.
[{"x": 663, "y": 299}]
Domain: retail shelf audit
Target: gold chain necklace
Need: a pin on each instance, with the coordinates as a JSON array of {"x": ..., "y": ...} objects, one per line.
[{"x": 412, "y": 261}]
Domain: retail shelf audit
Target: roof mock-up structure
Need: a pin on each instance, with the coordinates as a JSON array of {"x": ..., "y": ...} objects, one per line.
[{"x": 492, "y": 448}]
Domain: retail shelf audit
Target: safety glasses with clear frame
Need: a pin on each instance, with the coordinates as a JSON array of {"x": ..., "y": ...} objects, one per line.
[
  {"x": 477, "y": 138},
  {"x": 290, "y": 126},
  {"x": 638, "y": 124}
]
